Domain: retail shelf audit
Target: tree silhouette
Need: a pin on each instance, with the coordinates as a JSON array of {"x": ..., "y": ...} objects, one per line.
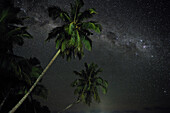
[{"x": 17, "y": 74}]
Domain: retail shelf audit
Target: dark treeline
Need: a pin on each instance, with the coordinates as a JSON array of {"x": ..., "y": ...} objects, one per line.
[{"x": 17, "y": 74}]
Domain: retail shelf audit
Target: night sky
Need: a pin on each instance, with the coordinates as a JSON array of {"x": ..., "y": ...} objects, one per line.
[{"x": 133, "y": 49}]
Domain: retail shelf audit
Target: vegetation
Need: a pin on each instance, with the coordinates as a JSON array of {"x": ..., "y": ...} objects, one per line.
[
  {"x": 87, "y": 85},
  {"x": 21, "y": 76},
  {"x": 16, "y": 72},
  {"x": 75, "y": 32},
  {"x": 70, "y": 37}
]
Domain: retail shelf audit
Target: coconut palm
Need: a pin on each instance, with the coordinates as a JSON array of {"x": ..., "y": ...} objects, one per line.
[
  {"x": 12, "y": 31},
  {"x": 87, "y": 85},
  {"x": 17, "y": 74},
  {"x": 71, "y": 36},
  {"x": 75, "y": 32}
]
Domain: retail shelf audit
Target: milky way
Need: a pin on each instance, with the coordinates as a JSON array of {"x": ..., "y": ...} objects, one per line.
[{"x": 133, "y": 49}]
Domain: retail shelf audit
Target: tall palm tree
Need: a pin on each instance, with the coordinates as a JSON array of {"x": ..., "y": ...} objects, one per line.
[
  {"x": 70, "y": 37},
  {"x": 87, "y": 85}
]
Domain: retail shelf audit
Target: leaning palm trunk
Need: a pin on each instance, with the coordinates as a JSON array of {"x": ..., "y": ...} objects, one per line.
[
  {"x": 33, "y": 86},
  {"x": 69, "y": 106}
]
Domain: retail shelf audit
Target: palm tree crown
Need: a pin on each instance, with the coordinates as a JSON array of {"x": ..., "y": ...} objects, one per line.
[
  {"x": 88, "y": 83},
  {"x": 12, "y": 30},
  {"x": 75, "y": 32}
]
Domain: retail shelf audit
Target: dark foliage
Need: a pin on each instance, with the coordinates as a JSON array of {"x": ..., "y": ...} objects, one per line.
[{"x": 16, "y": 72}]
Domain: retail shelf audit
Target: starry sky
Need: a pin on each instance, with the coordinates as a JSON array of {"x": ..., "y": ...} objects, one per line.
[{"x": 133, "y": 49}]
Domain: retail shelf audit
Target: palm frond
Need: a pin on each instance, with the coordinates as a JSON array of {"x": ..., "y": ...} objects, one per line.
[
  {"x": 75, "y": 9},
  {"x": 71, "y": 28},
  {"x": 73, "y": 39},
  {"x": 78, "y": 40},
  {"x": 55, "y": 32},
  {"x": 78, "y": 90},
  {"x": 96, "y": 95},
  {"x": 87, "y": 43},
  {"x": 104, "y": 89},
  {"x": 56, "y": 12},
  {"x": 92, "y": 25},
  {"x": 79, "y": 3},
  {"x": 89, "y": 13},
  {"x": 59, "y": 40},
  {"x": 77, "y": 73},
  {"x": 75, "y": 83},
  {"x": 102, "y": 83},
  {"x": 98, "y": 71}
]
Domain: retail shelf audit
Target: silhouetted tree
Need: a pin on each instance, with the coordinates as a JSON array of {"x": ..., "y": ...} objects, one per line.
[{"x": 17, "y": 74}]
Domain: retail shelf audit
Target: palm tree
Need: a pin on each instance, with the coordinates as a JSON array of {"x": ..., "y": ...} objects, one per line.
[
  {"x": 12, "y": 32},
  {"x": 16, "y": 72},
  {"x": 70, "y": 37},
  {"x": 75, "y": 32},
  {"x": 88, "y": 84}
]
